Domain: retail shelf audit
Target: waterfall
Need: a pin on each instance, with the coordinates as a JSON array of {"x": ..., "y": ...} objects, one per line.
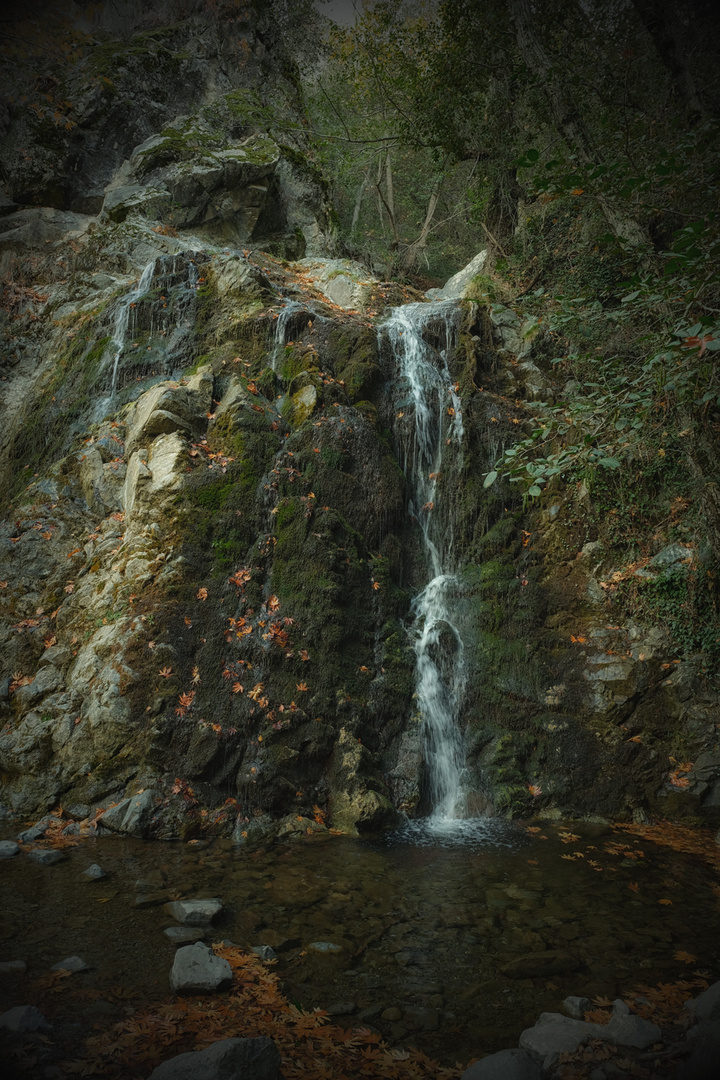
[
  {"x": 291, "y": 308},
  {"x": 429, "y": 419},
  {"x": 122, "y": 319}
]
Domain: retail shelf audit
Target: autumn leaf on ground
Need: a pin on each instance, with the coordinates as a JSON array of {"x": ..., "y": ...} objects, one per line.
[
  {"x": 165, "y": 672},
  {"x": 201, "y": 594},
  {"x": 195, "y": 675},
  {"x": 634, "y": 887},
  {"x": 70, "y": 586},
  {"x": 665, "y": 903},
  {"x": 301, "y": 686},
  {"x": 685, "y": 957},
  {"x": 237, "y": 688}
]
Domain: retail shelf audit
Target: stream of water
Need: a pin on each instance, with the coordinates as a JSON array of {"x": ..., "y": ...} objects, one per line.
[{"x": 431, "y": 420}]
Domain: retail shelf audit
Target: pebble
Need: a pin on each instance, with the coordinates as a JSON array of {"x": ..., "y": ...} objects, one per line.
[{"x": 8, "y": 849}]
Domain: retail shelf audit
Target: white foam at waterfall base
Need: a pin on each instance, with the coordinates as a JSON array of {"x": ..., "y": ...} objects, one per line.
[{"x": 434, "y": 421}]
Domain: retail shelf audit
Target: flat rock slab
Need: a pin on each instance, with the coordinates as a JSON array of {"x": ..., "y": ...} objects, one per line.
[
  {"x": 197, "y": 970},
  {"x": 46, "y": 856},
  {"x": 506, "y": 1065},
  {"x": 184, "y": 935},
  {"x": 194, "y": 912},
  {"x": 12, "y": 967},
  {"x": 8, "y": 849},
  {"x": 230, "y": 1059},
  {"x": 23, "y": 1018}
]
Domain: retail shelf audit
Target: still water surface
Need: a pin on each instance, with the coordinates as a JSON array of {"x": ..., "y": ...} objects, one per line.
[{"x": 444, "y": 925}]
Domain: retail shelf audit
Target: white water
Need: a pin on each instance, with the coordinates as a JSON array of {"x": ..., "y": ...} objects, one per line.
[
  {"x": 122, "y": 319},
  {"x": 281, "y": 328},
  {"x": 429, "y": 418}
]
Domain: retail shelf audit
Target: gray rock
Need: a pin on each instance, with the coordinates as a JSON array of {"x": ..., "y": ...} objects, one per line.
[
  {"x": 506, "y": 1065},
  {"x": 29, "y": 836},
  {"x": 45, "y": 682},
  {"x": 12, "y": 967},
  {"x": 46, "y": 856},
  {"x": 184, "y": 935},
  {"x": 94, "y": 872},
  {"x": 23, "y": 1018},
  {"x": 538, "y": 965},
  {"x": 71, "y": 963},
  {"x": 576, "y": 1007},
  {"x": 194, "y": 912},
  {"x": 705, "y": 1054},
  {"x": 8, "y": 849},
  {"x": 555, "y": 1034},
  {"x": 456, "y": 286},
  {"x": 707, "y": 1005},
  {"x": 344, "y": 1008},
  {"x": 230, "y": 1059},
  {"x": 425, "y": 1019},
  {"x": 325, "y": 947},
  {"x": 131, "y": 816},
  {"x": 197, "y": 970},
  {"x": 265, "y": 952}
]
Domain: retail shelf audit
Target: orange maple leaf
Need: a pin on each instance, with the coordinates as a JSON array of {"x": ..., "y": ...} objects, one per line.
[
  {"x": 201, "y": 594},
  {"x": 165, "y": 672}
]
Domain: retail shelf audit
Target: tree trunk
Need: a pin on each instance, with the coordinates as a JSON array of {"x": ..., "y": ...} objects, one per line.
[
  {"x": 567, "y": 117},
  {"x": 358, "y": 200},
  {"x": 660, "y": 24},
  {"x": 412, "y": 254}
]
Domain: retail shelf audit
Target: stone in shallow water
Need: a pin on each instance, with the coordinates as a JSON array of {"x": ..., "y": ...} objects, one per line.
[
  {"x": 71, "y": 963},
  {"x": 23, "y": 1018},
  {"x": 197, "y": 970},
  {"x": 230, "y": 1059},
  {"x": 184, "y": 935},
  {"x": 8, "y": 848},
  {"x": 194, "y": 912},
  {"x": 46, "y": 857},
  {"x": 94, "y": 872},
  {"x": 576, "y": 1007},
  {"x": 537, "y": 965},
  {"x": 325, "y": 947},
  {"x": 12, "y": 967},
  {"x": 506, "y": 1065},
  {"x": 264, "y": 952}
]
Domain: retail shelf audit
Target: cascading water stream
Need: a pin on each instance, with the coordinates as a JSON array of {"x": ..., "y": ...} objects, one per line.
[
  {"x": 122, "y": 319},
  {"x": 432, "y": 422}
]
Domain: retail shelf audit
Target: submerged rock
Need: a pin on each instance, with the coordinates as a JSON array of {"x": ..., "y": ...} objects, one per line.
[
  {"x": 8, "y": 849},
  {"x": 194, "y": 912},
  {"x": 230, "y": 1059}
]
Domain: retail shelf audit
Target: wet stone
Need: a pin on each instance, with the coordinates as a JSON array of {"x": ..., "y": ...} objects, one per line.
[
  {"x": 256, "y": 1059},
  {"x": 265, "y": 952},
  {"x": 505, "y": 1065},
  {"x": 23, "y": 1018},
  {"x": 392, "y": 1015},
  {"x": 196, "y": 969},
  {"x": 194, "y": 912},
  {"x": 146, "y": 900},
  {"x": 94, "y": 872},
  {"x": 71, "y": 963},
  {"x": 8, "y": 849},
  {"x": 12, "y": 967},
  {"x": 576, "y": 1007},
  {"x": 184, "y": 935},
  {"x": 46, "y": 857},
  {"x": 342, "y": 1008}
]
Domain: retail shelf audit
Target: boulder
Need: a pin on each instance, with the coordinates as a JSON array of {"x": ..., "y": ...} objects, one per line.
[
  {"x": 554, "y": 1034},
  {"x": 8, "y": 849},
  {"x": 706, "y": 1006},
  {"x": 46, "y": 856},
  {"x": 344, "y": 282},
  {"x": 194, "y": 912},
  {"x": 230, "y": 1059},
  {"x": 456, "y": 287},
  {"x": 197, "y": 970},
  {"x": 505, "y": 1065},
  {"x": 131, "y": 816}
]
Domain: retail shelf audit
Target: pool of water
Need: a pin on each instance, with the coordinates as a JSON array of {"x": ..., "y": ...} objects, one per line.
[{"x": 449, "y": 927}]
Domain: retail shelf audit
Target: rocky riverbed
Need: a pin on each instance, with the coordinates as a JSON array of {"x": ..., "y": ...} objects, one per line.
[{"x": 452, "y": 944}]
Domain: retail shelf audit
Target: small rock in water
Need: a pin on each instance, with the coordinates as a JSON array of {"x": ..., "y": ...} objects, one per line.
[
  {"x": 265, "y": 952},
  {"x": 194, "y": 912},
  {"x": 197, "y": 970},
  {"x": 46, "y": 856},
  {"x": 257, "y": 1059},
  {"x": 12, "y": 967},
  {"x": 184, "y": 935},
  {"x": 325, "y": 947},
  {"x": 505, "y": 1065},
  {"x": 71, "y": 963},
  {"x": 94, "y": 872},
  {"x": 576, "y": 1007},
  {"x": 345, "y": 1008},
  {"x": 29, "y": 836},
  {"x": 8, "y": 849},
  {"x": 392, "y": 1015},
  {"x": 23, "y": 1018},
  {"x": 146, "y": 900}
]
